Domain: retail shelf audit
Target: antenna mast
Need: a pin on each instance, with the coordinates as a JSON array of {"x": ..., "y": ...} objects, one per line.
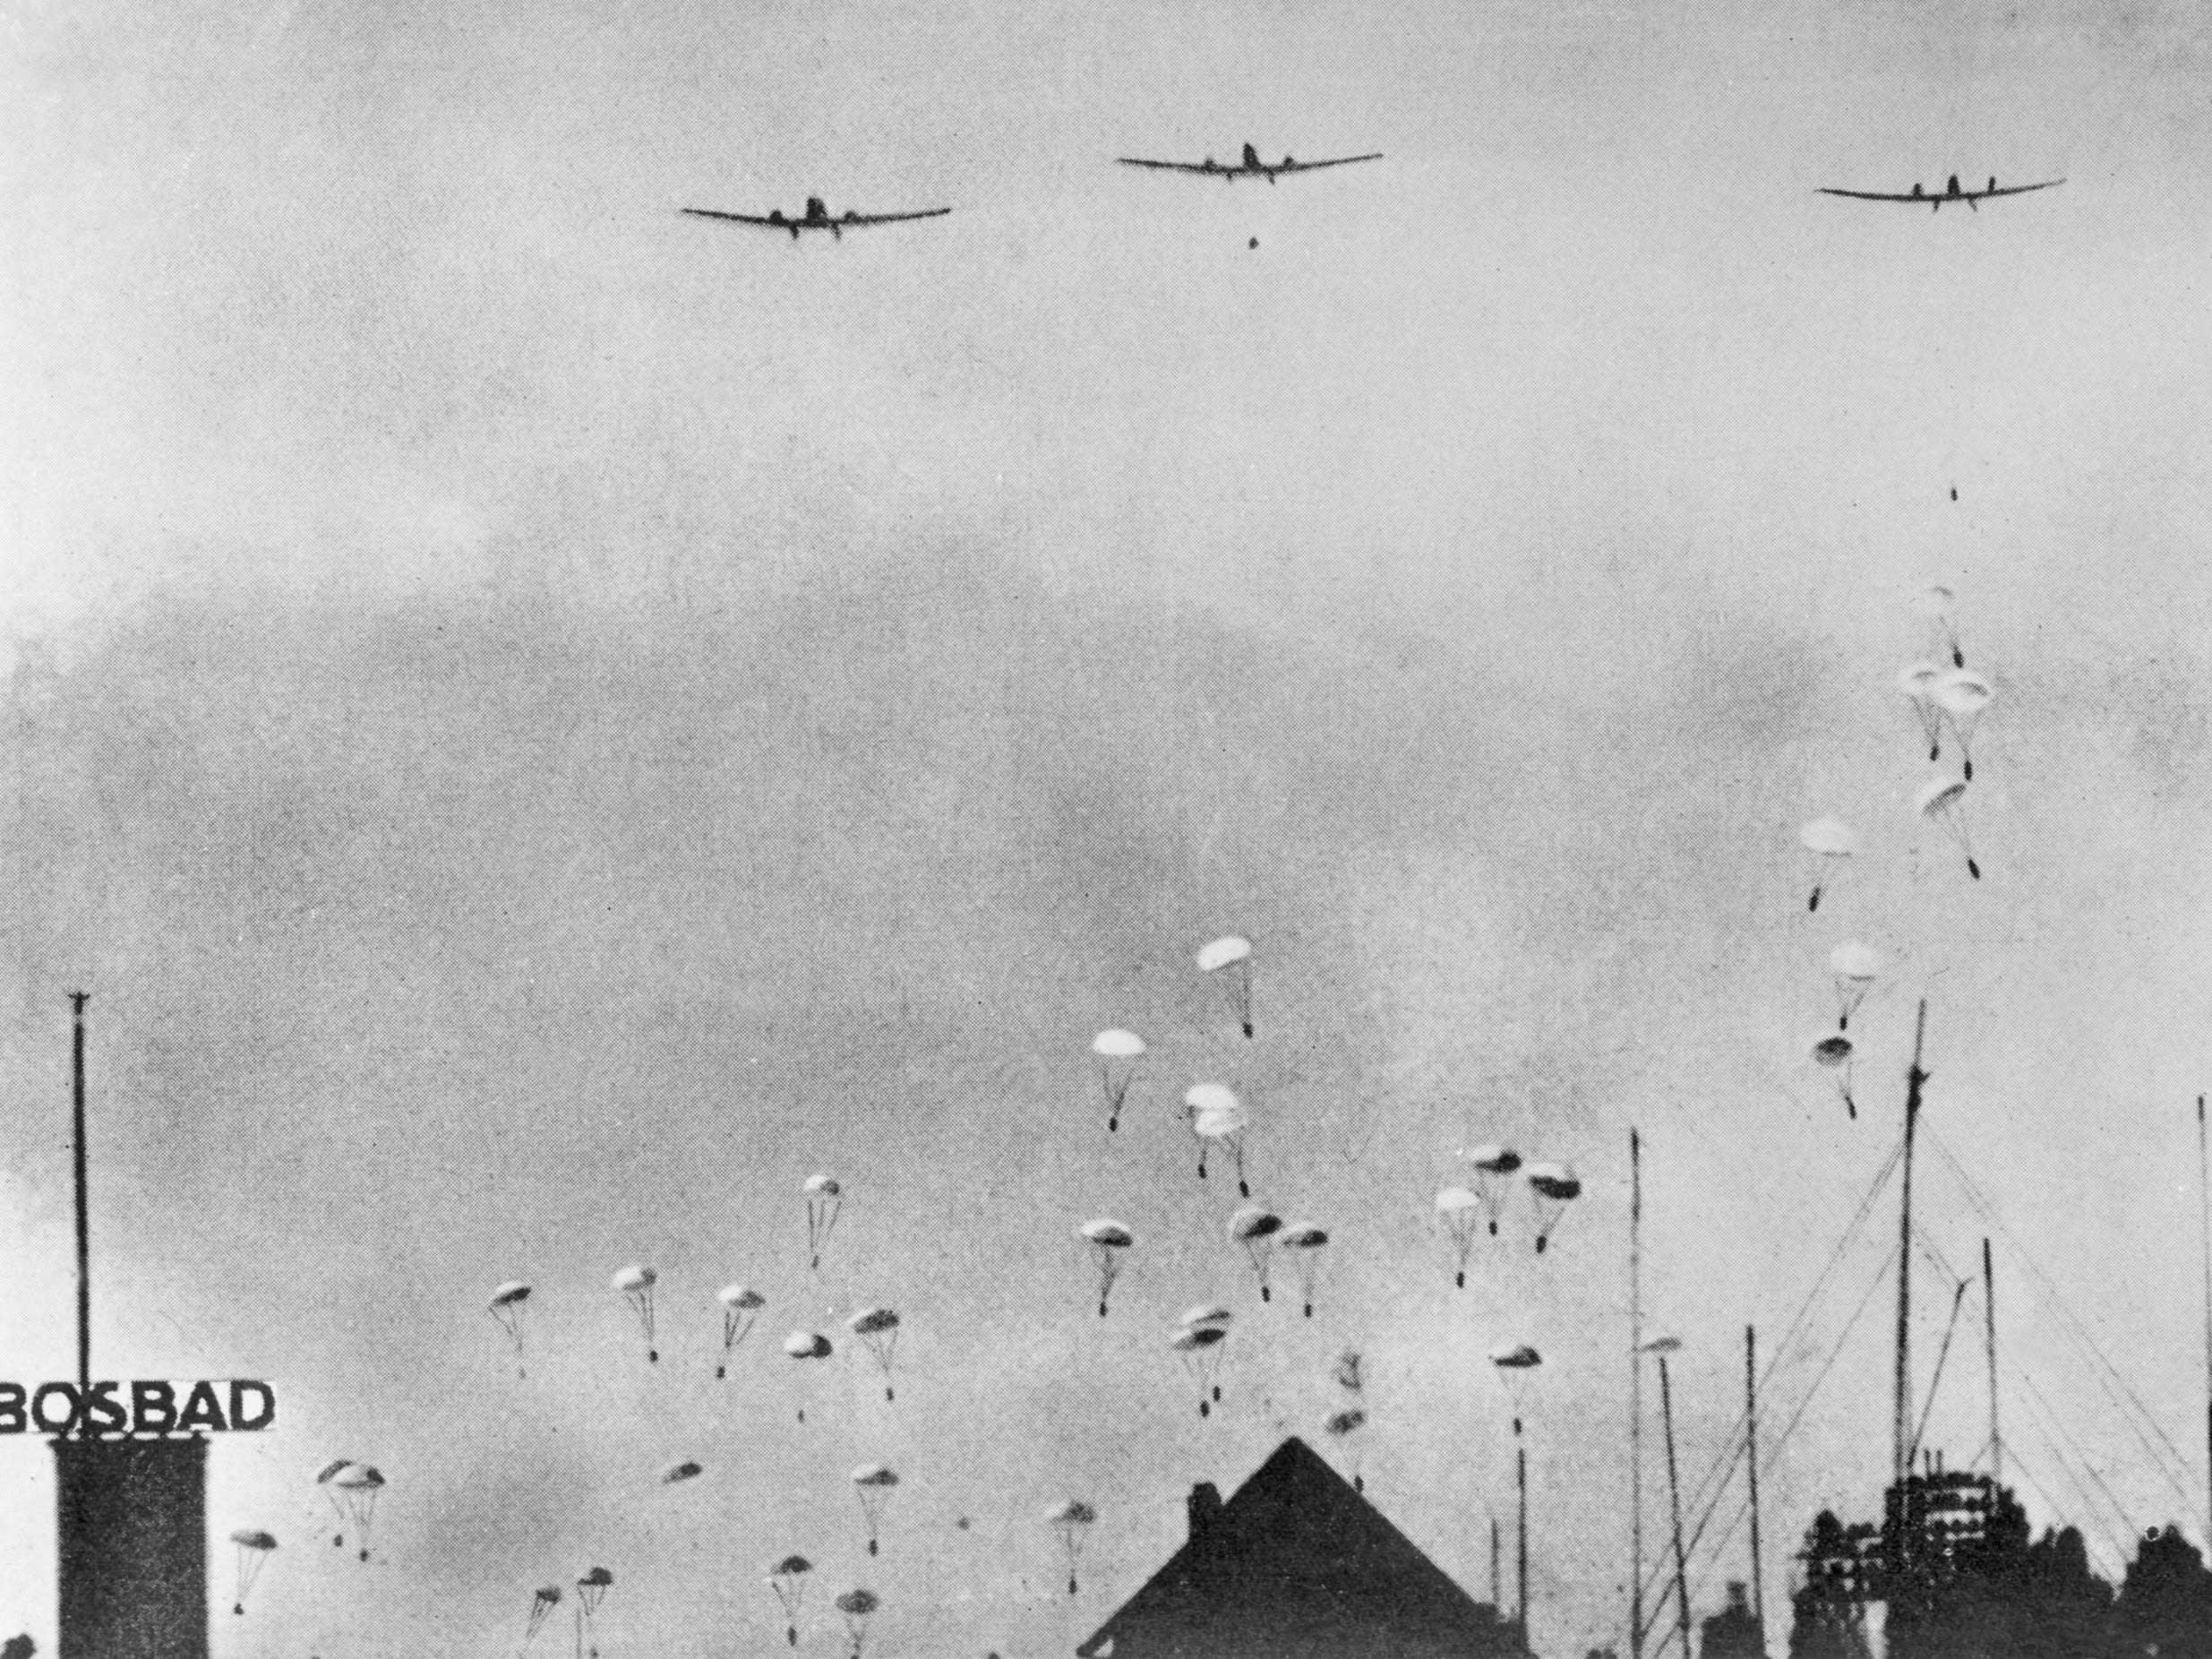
[
  {"x": 1900, "y": 1443},
  {"x": 1989, "y": 1343},
  {"x": 2204, "y": 1189},
  {"x": 1751, "y": 1448},
  {"x": 1635, "y": 1396},
  {"x": 1674, "y": 1503},
  {"x": 77, "y": 1000}
]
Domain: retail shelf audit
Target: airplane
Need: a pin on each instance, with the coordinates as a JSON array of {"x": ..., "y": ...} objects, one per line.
[
  {"x": 1951, "y": 193},
  {"x": 817, "y": 218},
  {"x": 1251, "y": 166}
]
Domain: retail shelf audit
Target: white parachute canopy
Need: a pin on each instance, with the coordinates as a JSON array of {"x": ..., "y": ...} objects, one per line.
[
  {"x": 1832, "y": 842},
  {"x": 1232, "y": 957},
  {"x": 1118, "y": 1054}
]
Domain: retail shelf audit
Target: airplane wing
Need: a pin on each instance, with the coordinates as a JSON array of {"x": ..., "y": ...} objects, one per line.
[
  {"x": 1875, "y": 196},
  {"x": 1175, "y": 167},
  {"x": 2019, "y": 189},
  {"x": 739, "y": 219},
  {"x": 1309, "y": 167},
  {"x": 888, "y": 219}
]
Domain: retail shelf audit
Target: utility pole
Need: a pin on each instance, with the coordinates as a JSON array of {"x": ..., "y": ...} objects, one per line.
[
  {"x": 1673, "y": 1505},
  {"x": 1901, "y": 1444},
  {"x": 1635, "y": 1396},
  {"x": 1494, "y": 1590},
  {"x": 1751, "y": 1448},
  {"x": 2204, "y": 1190},
  {"x": 77, "y": 1000},
  {"x": 1989, "y": 1348},
  {"x": 1521, "y": 1478}
]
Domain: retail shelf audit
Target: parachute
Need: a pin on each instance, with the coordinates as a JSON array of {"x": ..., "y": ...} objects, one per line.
[
  {"x": 1069, "y": 1521},
  {"x": 1117, "y": 1053},
  {"x": 1253, "y": 1228},
  {"x": 253, "y": 1548},
  {"x": 1554, "y": 1187},
  {"x": 1218, "y": 1118},
  {"x": 1308, "y": 1241},
  {"x": 324, "y": 1479},
  {"x": 1941, "y": 801},
  {"x": 676, "y": 1473},
  {"x": 356, "y": 1486},
  {"x": 1200, "y": 1349},
  {"x": 591, "y": 1589},
  {"x": 823, "y": 1197},
  {"x": 873, "y": 1483},
  {"x": 878, "y": 1330},
  {"x": 1831, "y": 841},
  {"x": 1919, "y": 683},
  {"x": 636, "y": 1283},
  {"x": 542, "y": 1604},
  {"x": 1107, "y": 1240},
  {"x": 506, "y": 1310},
  {"x": 740, "y": 1305},
  {"x": 1835, "y": 1054},
  {"x": 1458, "y": 1209},
  {"x": 1341, "y": 1426},
  {"x": 1516, "y": 1364},
  {"x": 857, "y": 1606},
  {"x": 806, "y": 1344},
  {"x": 1938, "y": 605},
  {"x": 1495, "y": 1167},
  {"x": 1232, "y": 957},
  {"x": 1963, "y": 698},
  {"x": 1855, "y": 967},
  {"x": 788, "y": 1578}
]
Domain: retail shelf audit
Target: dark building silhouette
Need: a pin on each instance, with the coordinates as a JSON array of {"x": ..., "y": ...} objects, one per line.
[
  {"x": 1297, "y": 1565},
  {"x": 132, "y": 1532},
  {"x": 1732, "y": 1633}
]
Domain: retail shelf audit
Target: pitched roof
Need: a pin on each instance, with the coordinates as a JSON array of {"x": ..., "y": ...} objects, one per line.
[{"x": 1297, "y": 1563}]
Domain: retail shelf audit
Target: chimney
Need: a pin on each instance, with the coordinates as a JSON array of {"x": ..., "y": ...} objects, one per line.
[{"x": 1206, "y": 1506}]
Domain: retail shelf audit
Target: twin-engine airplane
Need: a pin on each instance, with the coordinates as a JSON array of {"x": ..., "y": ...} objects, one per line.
[
  {"x": 817, "y": 218},
  {"x": 1951, "y": 193},
  {"x": 1251, "y": 166}
]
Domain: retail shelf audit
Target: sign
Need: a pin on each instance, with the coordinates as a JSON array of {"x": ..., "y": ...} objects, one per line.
[{"x": 233, "y": 1406}]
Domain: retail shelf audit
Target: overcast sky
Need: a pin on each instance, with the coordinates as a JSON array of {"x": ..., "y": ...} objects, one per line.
[{"x": 542, "y": 722}]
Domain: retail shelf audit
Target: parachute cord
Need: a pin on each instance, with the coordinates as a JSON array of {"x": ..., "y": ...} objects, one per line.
[
  {"x": 1703, "y": 1497},
  {"x": 2115, "y": 1384},
  {"x": 1935, "y": 1379},
  {"x": 2060, "y": 1443}
]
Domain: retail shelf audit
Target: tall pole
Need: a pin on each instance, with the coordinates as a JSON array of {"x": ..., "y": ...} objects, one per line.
[
  {"x": 1521, "y": 1479},
  {"x": 77, "y": 1000},
  {"x": 1494, "y": 1590},
  {"x": 1635, "y": 1396},
  {"x": 1673, "y": 1505},
  {"x": 1751, "y": 1448},
  {"x": 1989, "y": 1348},
  {"x": 1901, "y": 1426},
  {"x": 2204, "y": 1189}
]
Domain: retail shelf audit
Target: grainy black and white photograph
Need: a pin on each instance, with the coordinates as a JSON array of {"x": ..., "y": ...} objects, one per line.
[{"x": 944, "y": 830}]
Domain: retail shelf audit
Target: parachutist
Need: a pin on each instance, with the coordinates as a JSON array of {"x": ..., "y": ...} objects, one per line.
[
  {"x": 238, "y": 1607},
  {"x": 1813, "y": 903},
  {"x": 1244, "y": 1188},
  {"x": 1071, "y": 1584},
  {"x": 720, "y": 1371},
  {"x": 1459, "y": 1281},
  {"x": 1217, "y": 1391},
  {"x": 1974, "y": 869},
  {"x": 1101, "y": 1309},
  {"x": 889, "y": 1395},
  {"x": 1309, "y": 1310},
  {"x": 791, "y": 1635},
  {"x": 871, "y": 1546},
  {"x": 653, "y": 1356},
  {"x": 1359, "y": 1483},
  {"x": 1540, "y": 1242},
  {"x": 1968, "y": 768},
  {"x": 1203, "y": 1409},
  {"x": 1248, "y": 1028},
  {"x": 1113, "y": 1125},
  {"x": 1264, "y": 1294}
]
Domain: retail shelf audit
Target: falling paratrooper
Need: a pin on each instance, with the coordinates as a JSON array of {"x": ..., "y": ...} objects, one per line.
[
  {"x": 253, "y": 1547},
  {"x": 1070, "y": 1521},
  {"x": 546, "y": 1597},
  {"x": 1307, "y": 1241},
  {"x": 1218, "y": 1118},
  {"x": 1199, "y": 1338},
  {"x": 1254, "y": 1229},
  {"x": 1118, "y": 1054},
  {"x": 1941, "y": 802},
  {"x": 591, "y": 1589},
  {"x": 635, "y": 1283},
  {"x": 873, "y": 1483},
  {"x": 1108, "y": 1240},
  {"x": 806, "y": 1344},
  {"x": 1495, "y": 1167},
  {"x": 1832, "y": 842},
  {"x": 824, "y": 1197},
  {"x": 1516, "y": 1364},
  {"x": 740, "y": 1306},
  {"x": 506, "y": 1308},
  {"x": 1232, "y": 957},
  {"x": 788, "y": 1580},
  {"x": 1854, "y": 966},
  {"x": 1459, "y": 1210},
  {"x": 1554, "y": 1187},
  {"x": 878, "y": 1330}
]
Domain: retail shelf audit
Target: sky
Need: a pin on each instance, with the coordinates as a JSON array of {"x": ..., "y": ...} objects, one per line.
[{"x": 541, "y": 723}]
